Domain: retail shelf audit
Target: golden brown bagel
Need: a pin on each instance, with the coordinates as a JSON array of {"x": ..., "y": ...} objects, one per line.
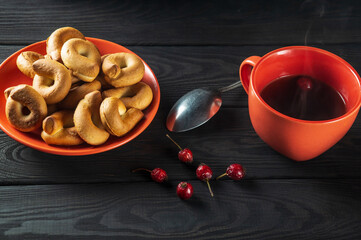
[
  {"x": 82, "y": 57},
  {"x": 122, "y": 69},
  {"x": 77, "y": 93},
  {"x": 115, "y": 117},
  {"x": 25, "y": 108},
  {"x": 58, "y": 129},
  {"x": 57, "y": 39},
  {"x": 87, "y": 119},
  {"x": 8, "y": 91},
  {"x": 74, "y": 80},
  {"x": 100, "y": 77},
  {"x": 103, "y": 57},
  {"x": 25, "y": 62},
  {"x": 52, "y": 80},
  {"x": 139, "y": 95}
]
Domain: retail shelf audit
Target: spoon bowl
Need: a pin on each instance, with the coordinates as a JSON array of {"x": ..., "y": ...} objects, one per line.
[{"x": 195, "y": 108}]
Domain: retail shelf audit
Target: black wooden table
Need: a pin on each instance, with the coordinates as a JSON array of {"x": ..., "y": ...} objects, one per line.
[{"x": 188, "y": 45}]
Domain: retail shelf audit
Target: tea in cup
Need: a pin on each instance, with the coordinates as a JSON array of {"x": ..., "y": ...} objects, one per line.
[{"x": 302, "y": 100}]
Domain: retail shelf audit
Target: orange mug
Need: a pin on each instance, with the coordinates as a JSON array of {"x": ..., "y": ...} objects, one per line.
[{"x": 299, "y": 139}]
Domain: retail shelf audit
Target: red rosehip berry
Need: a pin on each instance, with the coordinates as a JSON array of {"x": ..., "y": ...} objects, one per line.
[
  {"x": 184, "y": 190},
  {"x": 204, "y": 173},
  {"x": 157, "y": 174},
  {"x": 185, "y": 155},
  {"x": 305, "y": 83},
  {"x": 234, "y": 171}
]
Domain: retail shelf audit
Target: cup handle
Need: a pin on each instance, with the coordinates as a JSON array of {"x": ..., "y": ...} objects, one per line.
[{"x": 245, "y": 70}]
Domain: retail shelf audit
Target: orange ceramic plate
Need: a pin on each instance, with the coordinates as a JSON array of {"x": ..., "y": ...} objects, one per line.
[{"x": 11, "y": 76}]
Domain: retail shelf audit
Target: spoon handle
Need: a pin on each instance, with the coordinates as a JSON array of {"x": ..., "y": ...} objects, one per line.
[{"x": 230, "y": 87}]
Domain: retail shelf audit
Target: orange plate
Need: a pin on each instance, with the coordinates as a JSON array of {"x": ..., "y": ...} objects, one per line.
[{"x": 11, "y": 76}]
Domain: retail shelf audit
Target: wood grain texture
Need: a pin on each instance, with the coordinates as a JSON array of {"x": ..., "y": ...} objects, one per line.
[
  {"x": 186, "y": 23},
  {"x": 227, "y": 138},
  {"x": 251, "y": 209},
  {"x": 188, "y": 45}
]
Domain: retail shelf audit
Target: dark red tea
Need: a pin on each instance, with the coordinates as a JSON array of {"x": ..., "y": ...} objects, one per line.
[{"x": 304, "y": 98}]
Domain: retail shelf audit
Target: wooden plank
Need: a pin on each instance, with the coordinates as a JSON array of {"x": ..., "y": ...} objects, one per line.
[
  {"x": 253, "y": 209},
  {"x": 182, "y": 23},
  {"x": 181, "y": 69},
  {"x": 225, "y": 139}
]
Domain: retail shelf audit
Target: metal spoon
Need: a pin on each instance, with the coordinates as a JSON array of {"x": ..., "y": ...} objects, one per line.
[{"x": 196, "y": 108}]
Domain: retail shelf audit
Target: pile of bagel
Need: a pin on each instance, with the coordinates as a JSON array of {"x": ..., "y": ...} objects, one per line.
[{"x": 77, "y": 95}]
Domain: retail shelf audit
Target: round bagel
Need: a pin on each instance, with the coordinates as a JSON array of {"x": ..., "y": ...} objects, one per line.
[
  {"x": 25, "y": 108},
  {"x": 58, "y": 129},
  {"x": 101, "y": 77},
  {"x": 122, "y": 69},
  {"x": 82, "y": 57},
  {"x": 8, "y": 91},
  {"x": 115, "y": 117},
  {"x": 87, "y": 119},
  {"x": 52, "y": 80},
  {"x": 57, "y": 39},
  {"x": 77, "y": 93},
  {"x": 138, "y": 96},
  {"x": 25, "y": 62}
]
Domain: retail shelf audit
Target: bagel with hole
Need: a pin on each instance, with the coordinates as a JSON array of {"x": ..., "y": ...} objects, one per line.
[
  {"x": 116, "y": 118},
  {"x": 138, "y": 96},
  {"x": 25, "y": 108},
  {"x": 25, "y": 62},
  {"x": 87, "y": 119},
  {"x": 52, "y": 80},
  {"x": 82, "y": 57},
  {"x": 57, "y": 39},
  {"x": 58, "y": 129},
  {"x": 77, "y": 93},
  {"x": 122, "y": 69}
]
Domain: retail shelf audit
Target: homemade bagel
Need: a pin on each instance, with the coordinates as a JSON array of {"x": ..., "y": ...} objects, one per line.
[
  {"x": 8, "y": 91},
  {"x": 57, "y": 39},
  {"x": 115, "y": 117},
  {"x": 58, "y": 129},
  {"x": 82, "y": 57},
  {"x": 122, "y": 69},
  {"x": 101, "y": 77},
  {"x": 139, "y": 95},
  {"x": 25, "y": 62},
  {"x": 87, "y": 119},
  {"x": 52, "y": 80},
  {"x": 74, "y": 80},
  {"x": 77, "y": 93},
  {"x": 25, "y": 108}
]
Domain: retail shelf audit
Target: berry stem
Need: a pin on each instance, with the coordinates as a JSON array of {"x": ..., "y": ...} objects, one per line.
[
  {"x": 224, "y": 174},
  {"x": 174, "y": 142},
  {"x": 141, "y": 169},
  {"x": 210, "y": 189}
]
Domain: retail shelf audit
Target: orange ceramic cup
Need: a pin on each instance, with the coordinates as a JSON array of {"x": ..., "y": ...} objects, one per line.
[{"x": 298, "y": 139}]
